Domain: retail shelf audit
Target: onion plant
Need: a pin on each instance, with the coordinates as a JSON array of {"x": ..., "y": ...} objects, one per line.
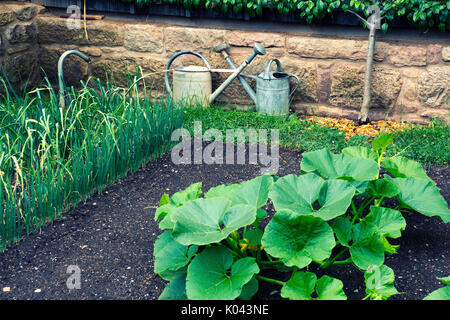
[{"x": 53, "y": 158}]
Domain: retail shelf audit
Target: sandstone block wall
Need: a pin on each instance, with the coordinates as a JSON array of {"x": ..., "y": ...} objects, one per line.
[
  {"x": 19, "y": 48},
  {"x": 411, "y": 78}
]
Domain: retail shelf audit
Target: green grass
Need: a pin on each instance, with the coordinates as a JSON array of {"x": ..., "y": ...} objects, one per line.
[{"x": 426, "y": 144}]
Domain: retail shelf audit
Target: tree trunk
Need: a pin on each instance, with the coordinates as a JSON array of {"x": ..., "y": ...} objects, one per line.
[{"x": 364, "y": 112}]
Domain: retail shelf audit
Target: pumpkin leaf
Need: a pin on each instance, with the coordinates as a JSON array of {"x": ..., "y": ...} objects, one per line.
[
  {"x": 422, "y": 196},
  {"x": 401, "y": 167},
  {"x": 169, "y": 254},
  {"x": 380, "y": 143},
  {"x": 212, "y": 275},
  {"x": 382, "y": 188},
  {"x": 339, "y": 166},
  {"x": 360, "y": 152},
  {"x": 367, "y": 248},
  {"x": 298, "y": 239},
  {"x": 254, "y": 192},
  {"x": 301, "y": 286},
  {"x": 205, "y": 221},
  {"x": 176, "y": 289},
  {"x": 165, "y": 211},
  {"x": 249, "y": 289},
  {"x": 300, "y": 194},
  {"x": 379, "y": 282},
  {"x": 388, "y": 222}
]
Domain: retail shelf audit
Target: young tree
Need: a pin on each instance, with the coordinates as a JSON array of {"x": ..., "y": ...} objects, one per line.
[{"x": 372, "y": 23}]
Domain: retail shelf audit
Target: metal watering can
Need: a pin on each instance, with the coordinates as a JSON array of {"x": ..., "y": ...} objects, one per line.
[
  {"x": 273, "y": 93},
  {"x": 194, "y": 83}
]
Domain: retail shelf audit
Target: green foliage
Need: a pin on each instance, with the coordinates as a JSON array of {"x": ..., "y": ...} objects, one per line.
[
  {"x": 52, "y": 158},
  {"x": 335, "y": 212},
  {"x": 423, "y": 14},
  {"x": 297, "y": 133},
  {"x": 441, "y": 293}
]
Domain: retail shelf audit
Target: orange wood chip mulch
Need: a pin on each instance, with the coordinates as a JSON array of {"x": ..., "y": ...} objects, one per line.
[{"x": 351, "y": 128}]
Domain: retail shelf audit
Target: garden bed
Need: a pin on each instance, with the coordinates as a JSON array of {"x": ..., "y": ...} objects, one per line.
[{"x": 111, "y": 236}]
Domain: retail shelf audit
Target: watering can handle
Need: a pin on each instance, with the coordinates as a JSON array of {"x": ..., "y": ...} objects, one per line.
[
  {"x": 267, "y": 69},
  {"x": 296, "y": 87},
  {"x": 176, "y": 55}
]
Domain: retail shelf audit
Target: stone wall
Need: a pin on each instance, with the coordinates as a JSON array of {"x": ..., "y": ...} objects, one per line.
[
  {"x": 410, "y": 81},
  {"x": 19, "y": 48}
]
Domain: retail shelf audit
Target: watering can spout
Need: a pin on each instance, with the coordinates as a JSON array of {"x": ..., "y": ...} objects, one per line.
[{"x": 60, "y": 71}]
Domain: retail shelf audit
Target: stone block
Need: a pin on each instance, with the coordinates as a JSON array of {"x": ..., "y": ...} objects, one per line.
[
  {"x": 144, "y": 38},
  {"x": 407, "y": 56},
  {"x": 248, "y": 38},
  {"x": 324, "y": 48},
  {"x": 433, "y": 86},
  {"x": 194, "y": 39},
  {"x": 347, "y": 85},
  {"x": 58, "y": 30}
]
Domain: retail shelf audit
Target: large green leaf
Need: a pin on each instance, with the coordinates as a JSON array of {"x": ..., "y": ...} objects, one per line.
[
  {"x": 301, "y": 286},
  {"x": 300, "y": 194},
  {"x": 190, "y": 193},
  {"x": 165, "y": 211},
  {"x": 205, "y": 221},
  {"x": 212, "y": 275},
  {"x": 221, "y": 190},
  {"x": 367, "y": 248},
  {"x": 328, "y": 288},
  {"x": 422, "y": 196},
  {"x": 382, "y": 188},
  {"x": 176, "y": 289},
  {"x": 360, "y": 152},
  {"x": 380, "y": 143},
  {"x": 254, "y": 192},
  {"x": 339, "y": 166},
  {"x": 380, "y": 282},
  {"x": 169, "y": 254},
  {"x": 441, "y": 293},
  {"x": 249, "y": 289},
  {"x": 389, "y": 222},
  {"x": 298, "y": 240},
  {"x": 402, "y": 167},
  {"x": 343, "y": 229}
]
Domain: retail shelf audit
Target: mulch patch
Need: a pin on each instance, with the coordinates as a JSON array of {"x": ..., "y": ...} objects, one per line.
[{"x": 110, "y": 238}]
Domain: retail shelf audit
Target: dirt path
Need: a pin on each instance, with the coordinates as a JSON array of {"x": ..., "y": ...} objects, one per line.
[{"x": 110, "y": 238}]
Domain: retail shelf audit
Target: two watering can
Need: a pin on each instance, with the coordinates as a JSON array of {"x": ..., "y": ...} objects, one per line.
[{"x": 194, "y": 83}]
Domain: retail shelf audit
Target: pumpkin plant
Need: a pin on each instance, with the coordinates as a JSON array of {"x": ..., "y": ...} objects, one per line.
[{"x": 334, "y": 212}]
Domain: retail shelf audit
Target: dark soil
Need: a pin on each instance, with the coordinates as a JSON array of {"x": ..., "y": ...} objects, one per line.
[{"x": 110, "y": 238}]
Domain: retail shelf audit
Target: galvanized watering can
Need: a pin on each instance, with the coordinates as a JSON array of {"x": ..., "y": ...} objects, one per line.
[
  {"x": 273, "y": 94},
  {"x": 193, "y": 84}
]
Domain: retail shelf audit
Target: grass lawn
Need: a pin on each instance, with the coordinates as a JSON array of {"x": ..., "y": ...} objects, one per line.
[{"x": 428, "y": 144}]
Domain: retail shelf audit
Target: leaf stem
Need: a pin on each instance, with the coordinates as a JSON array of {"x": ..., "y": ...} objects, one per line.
[
  {"x": 361, "y": 209},
  {"x": 341, "y": 262},
  {"x": 270, "y": 263},
  {"x": 270, "y": 280},
  {"x": 328, "y": 263}
]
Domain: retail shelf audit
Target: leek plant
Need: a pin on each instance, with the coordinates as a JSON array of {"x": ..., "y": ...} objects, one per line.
[{"x": 53, "y": 158}]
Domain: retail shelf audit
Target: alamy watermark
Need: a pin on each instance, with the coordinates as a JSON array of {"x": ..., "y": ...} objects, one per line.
[
  {"x": 74, "y": 280},
  {"x": 259, "y": 144}
]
